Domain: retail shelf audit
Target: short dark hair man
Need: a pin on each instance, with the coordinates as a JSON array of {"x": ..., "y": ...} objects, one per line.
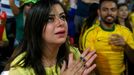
[{"x": 109, "y": 40}]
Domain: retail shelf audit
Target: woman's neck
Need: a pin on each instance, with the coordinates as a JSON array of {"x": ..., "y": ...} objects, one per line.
[
  {"x": 121, "y": 21},
  {"x": 49, "y": 55}
]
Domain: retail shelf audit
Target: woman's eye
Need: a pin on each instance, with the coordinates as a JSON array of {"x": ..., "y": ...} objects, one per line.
[
  {"x": 50, "y": 19},
  {"x": 63, "y": 17}
]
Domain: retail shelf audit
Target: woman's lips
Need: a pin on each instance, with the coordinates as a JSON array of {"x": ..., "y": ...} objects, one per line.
[{"x": 60, "y": 33}]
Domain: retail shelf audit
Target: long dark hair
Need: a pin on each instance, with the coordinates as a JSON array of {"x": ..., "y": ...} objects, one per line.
[
  {"x": 32, "y": 43},
  {"x": 89, "y": 21},
  {"x": 133, "y": 8},
  {"x": 92, "y": 15}
]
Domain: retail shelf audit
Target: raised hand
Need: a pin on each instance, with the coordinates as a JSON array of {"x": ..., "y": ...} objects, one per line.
[
  {"x": 83, "y": 66},
  {"x": 117, "y": 40}
]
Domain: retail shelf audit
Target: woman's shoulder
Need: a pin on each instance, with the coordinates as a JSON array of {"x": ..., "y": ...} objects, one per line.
[
  {"x": 18, "y": 58},
  {"x": 17, "y": 68}
]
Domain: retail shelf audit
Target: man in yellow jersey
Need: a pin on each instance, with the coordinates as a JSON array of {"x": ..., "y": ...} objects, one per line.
[{"x": 109, "y": 40}]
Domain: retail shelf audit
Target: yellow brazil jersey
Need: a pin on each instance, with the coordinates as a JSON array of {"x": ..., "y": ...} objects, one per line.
[
  {"x": 109, "y": 58},
  {"x": 84, "y": 28},
  {"x": 131, "y": 18},
  {"x": 18, "y": 70}
]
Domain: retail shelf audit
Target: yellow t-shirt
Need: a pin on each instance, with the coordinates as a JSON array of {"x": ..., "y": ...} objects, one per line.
[
  {"x": 18, "y": 70},
  {"x": 109, "y": 58},
  {"x": 84, "y": 28},
  {"x": 131, "y": 18}
]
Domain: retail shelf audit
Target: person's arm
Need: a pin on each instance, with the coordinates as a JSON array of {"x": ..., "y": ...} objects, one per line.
[
  {"x": 14, "y": 8},
  {"x": 129, "y": 53}
]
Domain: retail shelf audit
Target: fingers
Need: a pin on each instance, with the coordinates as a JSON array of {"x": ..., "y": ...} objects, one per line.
[
  {"x": 78, "y": 65},
  {"x": 81, "y": 70},
  {"x": 115, "y": 37},
  {"x": 63, "y": 67},
  {"x": 85, "y": 53},
  {"x": 74, "y": 67},
  {"x": 117, "y": 40},
  {"x": 117, "y": 43},
  {"x": 85, "y": 67},
  {"x": 87, "y": 59},
  {"x": 88, "y": 65},
  {"x": 71, "y": 60},
  {"x": 90, "y": 61},
  {"x": 82, "y": 66},
  {"x": 89, "y": 70},
  {"x": 89, "y": 55}
]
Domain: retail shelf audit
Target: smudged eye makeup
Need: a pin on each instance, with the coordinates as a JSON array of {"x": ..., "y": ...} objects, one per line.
[{"x": 52, "y": 18}]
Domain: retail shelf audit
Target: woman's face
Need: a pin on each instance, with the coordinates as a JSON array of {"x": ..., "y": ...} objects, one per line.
[
  {"x": 56, "y": 29},
  {"x": 123, "y": 12}
]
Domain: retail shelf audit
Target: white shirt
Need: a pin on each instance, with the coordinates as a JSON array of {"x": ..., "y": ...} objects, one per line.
[
  {"x": 121, "y": 1},
  {"x": 5, "y": 73},
  {"x": 4, "y": 6}
]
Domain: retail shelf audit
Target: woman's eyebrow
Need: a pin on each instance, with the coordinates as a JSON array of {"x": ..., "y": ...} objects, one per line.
[
  {"x": 54, "y": 14},
  {"x": 62, "y": 13}
]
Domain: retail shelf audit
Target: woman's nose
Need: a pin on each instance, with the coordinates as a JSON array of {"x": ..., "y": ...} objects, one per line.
[{"x": 59, "y": 21}]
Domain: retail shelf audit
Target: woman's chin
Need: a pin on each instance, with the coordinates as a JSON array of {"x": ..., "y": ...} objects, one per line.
[{"x": 61, "y": 41}]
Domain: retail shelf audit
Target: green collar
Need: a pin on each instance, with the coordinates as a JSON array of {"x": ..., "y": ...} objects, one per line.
[{"x": 110, "y": 30}]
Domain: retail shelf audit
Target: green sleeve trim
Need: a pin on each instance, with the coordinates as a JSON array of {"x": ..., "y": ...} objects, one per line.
[{"x": 85, "y": 35}]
